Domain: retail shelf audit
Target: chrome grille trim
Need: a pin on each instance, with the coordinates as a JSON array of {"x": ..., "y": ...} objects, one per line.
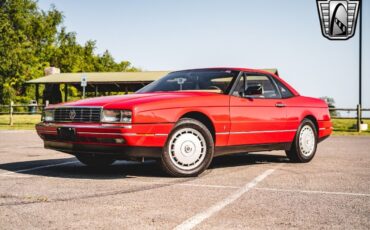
[{"x": 79, "y": 114}]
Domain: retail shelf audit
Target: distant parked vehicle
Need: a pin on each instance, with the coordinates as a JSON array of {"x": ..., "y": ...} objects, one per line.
[{"x": 188, "y": 117}]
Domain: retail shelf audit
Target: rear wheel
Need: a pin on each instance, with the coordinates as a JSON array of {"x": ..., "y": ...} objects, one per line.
[
  {"x": 95, "y": 161},
  {"x": 189, "y": 149},
  {"x": 305, "y": 143}
]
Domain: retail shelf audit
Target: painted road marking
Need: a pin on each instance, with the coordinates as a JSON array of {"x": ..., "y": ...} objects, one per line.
[
  {"x": 208, "y": 186},
  {"x": 37, "y": 168},
  {"x": 17, "y": 131},
  {"x": 40, "y": 146},
  {"x": 200, "y": 217},
  {"x": 314, "y": 192},
  {"x": 255, "y": 188},
  {"x": 17, "y": 176},
  {"x": 185, "y": 184}
]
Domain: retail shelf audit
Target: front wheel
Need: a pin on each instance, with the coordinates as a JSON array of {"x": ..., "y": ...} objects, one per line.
[
  {"x": 95, "y": 161},
  {"x": 305, "y": 143},
  {"x": 189, "y": 149}
]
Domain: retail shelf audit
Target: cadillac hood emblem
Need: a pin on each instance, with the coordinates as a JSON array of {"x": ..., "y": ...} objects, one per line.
[
  {"x": 72, "y": 114},
  {"x": 338, "y": 18}
]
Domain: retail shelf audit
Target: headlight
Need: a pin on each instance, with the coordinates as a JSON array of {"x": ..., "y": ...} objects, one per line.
[
  {"x": 48, "y": 115},
  {"x": 116, "y": 116},
  {"x": 126, "y": 116}
]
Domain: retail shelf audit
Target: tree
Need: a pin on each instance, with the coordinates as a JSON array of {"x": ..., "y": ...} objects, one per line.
[
  {"x": 32, "y": 39},
  {"x": 331, "y": 104},
  {"x": 25, "y": 37}
]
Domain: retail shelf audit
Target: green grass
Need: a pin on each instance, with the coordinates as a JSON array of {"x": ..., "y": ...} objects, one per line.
[
  {"x": 348, "y": 127},
  {"x": 19, "y": 122},
  {"x": 341, "y": 126}
]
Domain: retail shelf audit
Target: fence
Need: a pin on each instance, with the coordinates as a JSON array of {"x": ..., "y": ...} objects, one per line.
[
  {"x": 31, "y": 109},
  {"x": 356, "y": 111},
  {"x": 19, "y": 109}
]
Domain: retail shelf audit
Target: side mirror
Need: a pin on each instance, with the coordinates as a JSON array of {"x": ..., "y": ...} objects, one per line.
[{"x": 254, "y": 90}]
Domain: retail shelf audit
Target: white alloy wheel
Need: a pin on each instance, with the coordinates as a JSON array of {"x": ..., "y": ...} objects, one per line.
[
  {"x": 307, "y": 140},
  {"x": 187, "y": 148}
]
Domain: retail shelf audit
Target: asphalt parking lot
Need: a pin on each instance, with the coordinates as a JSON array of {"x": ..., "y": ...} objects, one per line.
[{"x": 46, "y": 189}]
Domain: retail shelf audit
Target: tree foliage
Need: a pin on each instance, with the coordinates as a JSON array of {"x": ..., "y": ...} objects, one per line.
[
  {"x": 331, "y": 104},
  {"x": 32, "y": 39}
]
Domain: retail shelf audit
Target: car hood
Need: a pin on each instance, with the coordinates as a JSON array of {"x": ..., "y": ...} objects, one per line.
[{"x": 147, "y": 101}]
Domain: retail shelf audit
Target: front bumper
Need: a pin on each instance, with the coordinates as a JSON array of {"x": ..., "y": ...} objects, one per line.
[
  {"x": 118, "y": 152},
  {"x": 106, "y": 138}
]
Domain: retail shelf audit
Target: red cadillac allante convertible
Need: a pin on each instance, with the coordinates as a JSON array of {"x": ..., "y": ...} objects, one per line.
[{"x": 188, "y": 117}]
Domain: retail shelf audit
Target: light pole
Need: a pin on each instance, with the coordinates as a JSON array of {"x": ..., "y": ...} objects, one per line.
[{"x": 359, "y": 106}]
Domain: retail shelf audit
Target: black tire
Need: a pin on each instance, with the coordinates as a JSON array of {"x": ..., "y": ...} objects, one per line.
[
  {"x": 167, "y": 160},
  {"x": 95, "y": 161},
  {"x": 296, "y": 153}
]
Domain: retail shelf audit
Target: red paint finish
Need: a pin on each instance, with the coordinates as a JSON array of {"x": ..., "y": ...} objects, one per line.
[
  {"x": 235, "y": 120},
  {"x": 257, "y": 121},
  {"x": 153, "y": 135}
]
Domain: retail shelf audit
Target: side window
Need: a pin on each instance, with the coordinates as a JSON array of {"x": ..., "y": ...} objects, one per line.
[
  {"x": 268, "y": 86},
  {"x": 239, "y": 87},
  {"x": 285, "y": 92}
]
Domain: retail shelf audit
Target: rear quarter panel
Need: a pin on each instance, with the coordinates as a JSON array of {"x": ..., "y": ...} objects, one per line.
[{"x": 300, "y": 107}]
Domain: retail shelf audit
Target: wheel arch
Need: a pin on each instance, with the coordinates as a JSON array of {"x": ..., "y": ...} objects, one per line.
[
  {"x": 204, "y": 119},
  {"x": 314, "y": 121}
]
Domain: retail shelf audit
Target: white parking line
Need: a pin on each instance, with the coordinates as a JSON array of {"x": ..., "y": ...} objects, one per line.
[
  {"x": 37, "y": 168},
  {"x": 22, "y": 147},
  {"x": 314, "y": 192},
  {"x": 255, "y": 188},
  {"x": 208, "y": 186},
  {"x": 200, "y": 217},
  {"x": 185, "y": 184},
  {"x": 17, "y": 131}
]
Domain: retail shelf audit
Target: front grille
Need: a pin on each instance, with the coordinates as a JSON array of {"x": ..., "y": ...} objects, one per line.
[{"x": 77, "y": 114}]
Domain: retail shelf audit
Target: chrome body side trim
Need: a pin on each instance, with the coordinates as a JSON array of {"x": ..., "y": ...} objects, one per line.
[
  {"x": 261, "y": 131},
  {"x": 325, "y": 128},
  {"x": 76, "y": 106}
]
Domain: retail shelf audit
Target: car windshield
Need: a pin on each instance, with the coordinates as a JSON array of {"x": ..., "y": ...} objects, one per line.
[{"x": 210, "y": 80}]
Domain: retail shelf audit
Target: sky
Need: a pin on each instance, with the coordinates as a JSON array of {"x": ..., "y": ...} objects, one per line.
[{"x": 182, "y": 34}]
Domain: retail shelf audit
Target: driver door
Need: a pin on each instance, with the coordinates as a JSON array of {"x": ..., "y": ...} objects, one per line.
[{"x": 257, "y": 119}]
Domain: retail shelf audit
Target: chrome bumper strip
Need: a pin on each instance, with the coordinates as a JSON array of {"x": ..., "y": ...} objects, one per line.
[
  {"x": 112, "y": 134},
  {"x": 104, "y": 126}
]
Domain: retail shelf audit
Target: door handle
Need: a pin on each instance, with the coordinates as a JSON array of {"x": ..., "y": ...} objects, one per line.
[{"x": 280, "y": 105}]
